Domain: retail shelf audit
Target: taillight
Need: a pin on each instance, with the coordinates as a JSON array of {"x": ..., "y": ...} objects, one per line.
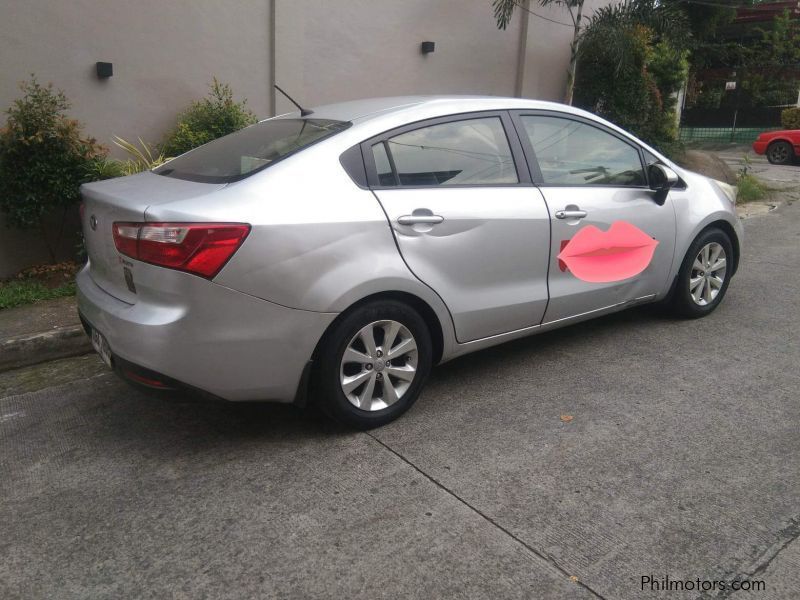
[{"x": 199, "y": 248}]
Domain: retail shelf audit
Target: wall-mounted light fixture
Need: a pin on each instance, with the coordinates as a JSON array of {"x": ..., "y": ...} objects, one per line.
[
  {"x": 105, "y": 70},
  {"x": 428, "y": 47}
]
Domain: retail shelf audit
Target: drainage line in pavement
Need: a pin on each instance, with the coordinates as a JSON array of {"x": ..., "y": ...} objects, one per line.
[{"x": 546, "y": 558}]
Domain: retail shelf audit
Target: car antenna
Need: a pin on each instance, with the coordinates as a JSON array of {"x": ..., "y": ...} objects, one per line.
[{"x": 304, "y": 112}]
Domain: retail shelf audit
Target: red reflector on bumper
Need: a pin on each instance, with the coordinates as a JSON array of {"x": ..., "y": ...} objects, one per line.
[{"x": 144, "y": 380}]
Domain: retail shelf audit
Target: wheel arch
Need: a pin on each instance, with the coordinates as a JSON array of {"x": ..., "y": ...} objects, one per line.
[
  {"x": 792, "y": 146},
  {"x": 732, "y": 235},
  {"x": 781, "y": 139},
  {"x": 424, "y": 309},
  {"x": 714, "y": 223}
]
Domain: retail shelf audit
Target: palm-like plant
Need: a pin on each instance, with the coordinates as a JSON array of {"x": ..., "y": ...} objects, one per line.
[
  {"x": 611, "y": 23},
  {"x": 631, "y": 63},
  {"x": 610, "y": 26},
  {"x": 504, "y": 10},
  {"x": 142, "y": 157}
]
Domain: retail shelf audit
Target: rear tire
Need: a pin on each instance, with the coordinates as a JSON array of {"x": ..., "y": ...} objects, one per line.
[
  {"x": 780, "y": 153},
  {"x": 704, "y": 275},
  {"x": 372, "y": 364}
]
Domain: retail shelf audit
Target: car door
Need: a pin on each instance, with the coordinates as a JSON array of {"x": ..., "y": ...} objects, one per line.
[
  {"x": 612, "y": 243},
  {"x": 467, "y": 219}
]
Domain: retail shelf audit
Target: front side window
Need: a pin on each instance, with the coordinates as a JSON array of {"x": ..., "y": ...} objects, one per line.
[
  {"x": 469, "y": 152},
  {"x": 574, "y": 153},
  {"x": 252, "y": 149}
]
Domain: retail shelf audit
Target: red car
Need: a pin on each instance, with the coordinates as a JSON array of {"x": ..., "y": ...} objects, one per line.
[{"x": 781, "y": 147}]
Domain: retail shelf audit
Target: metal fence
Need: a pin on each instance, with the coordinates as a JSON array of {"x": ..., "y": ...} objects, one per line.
[
  {"x": 740, "y": 125},
  {"x": 743, "y": 135}
]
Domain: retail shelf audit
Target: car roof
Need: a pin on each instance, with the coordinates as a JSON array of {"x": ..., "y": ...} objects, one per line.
[
  {"x": 371, "y": 116},
  {"x": 369, "y": 108}
]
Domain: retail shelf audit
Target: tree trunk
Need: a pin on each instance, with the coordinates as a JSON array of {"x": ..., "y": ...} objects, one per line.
[{"x": 573, "y": 53}]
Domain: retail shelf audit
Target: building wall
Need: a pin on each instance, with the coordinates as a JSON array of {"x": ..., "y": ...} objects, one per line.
[
  {"x": 165, "y": 53},
  {"x": 365, "y": 48},
  {"x": 332, "y": 51}
]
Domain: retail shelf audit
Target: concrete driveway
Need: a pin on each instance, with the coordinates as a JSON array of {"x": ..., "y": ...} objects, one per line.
[
  {"x": 777, "y": 176},
  {"x": 681, "y": 460}
]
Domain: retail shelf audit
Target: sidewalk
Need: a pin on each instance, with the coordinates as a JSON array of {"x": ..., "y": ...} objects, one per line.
[{"x": 40, "y": 332}]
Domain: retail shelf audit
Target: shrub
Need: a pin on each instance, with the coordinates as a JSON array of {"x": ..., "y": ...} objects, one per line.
[
  {"x": 44, "y": 158},
  {"x": 790, "y": 118},
  {"x": 103, "y": 167},
  {"x": 207, "y": 119},
  {"x": 750, "y": 189},
  {"x": 142, "y": 158},
  {"x": 628, "y": 73}
]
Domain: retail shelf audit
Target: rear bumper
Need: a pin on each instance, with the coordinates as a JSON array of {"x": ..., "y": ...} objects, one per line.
[
  {"x": 208, "y": 337},
  {"x": 760, "y": 147}
]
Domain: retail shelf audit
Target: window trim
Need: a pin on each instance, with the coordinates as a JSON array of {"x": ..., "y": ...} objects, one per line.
[
  {"x": 517, "y": 154},
  {"x": 538, "y": 178}
]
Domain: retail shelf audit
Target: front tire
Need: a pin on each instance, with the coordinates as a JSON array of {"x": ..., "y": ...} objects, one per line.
[
  {"x": 780, "y": 153},
  {"x": 373, "y": 364},
  {"x": 704, "y": 274}
]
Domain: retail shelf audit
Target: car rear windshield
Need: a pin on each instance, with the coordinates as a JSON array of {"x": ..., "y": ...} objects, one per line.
[{"x": 250, "y": 150}]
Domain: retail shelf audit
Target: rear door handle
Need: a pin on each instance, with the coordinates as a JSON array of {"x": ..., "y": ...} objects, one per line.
[
  {"x": 420, "y": 219},
  {"x": 570, "y": 214}
]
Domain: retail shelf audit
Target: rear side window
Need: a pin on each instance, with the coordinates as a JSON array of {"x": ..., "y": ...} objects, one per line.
[
  {"x": 574, "y": 153},
  {"x": 250, "y": 150},
  {"x": 468, "y": 152},
  {"x": 382, "y": 164}
]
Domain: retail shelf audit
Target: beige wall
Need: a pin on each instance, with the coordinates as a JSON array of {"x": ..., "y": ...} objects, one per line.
[
  {"x": 165, "y": 53},
  {"x": 328, "y": 51},
  {"x": 340, "y": 50}
]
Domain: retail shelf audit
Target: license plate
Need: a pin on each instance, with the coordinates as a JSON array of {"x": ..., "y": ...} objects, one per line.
[{"x": 101, "y": 346}]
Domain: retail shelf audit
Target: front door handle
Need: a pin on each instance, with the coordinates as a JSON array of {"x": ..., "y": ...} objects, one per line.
[
  {"x": 420, "y": 219},
  {"x": 570, "y": 214}
]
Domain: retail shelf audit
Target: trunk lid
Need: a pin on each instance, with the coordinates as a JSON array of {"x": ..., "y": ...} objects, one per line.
[{"x": 125, "y": 199}]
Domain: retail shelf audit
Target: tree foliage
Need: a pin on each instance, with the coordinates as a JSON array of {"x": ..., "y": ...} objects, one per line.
[
  {"x": 631, "y": 63},
  {"x": 44, "y": 157},
  {"x": 208, "y": 119},
  {"x": 504, "y": 9},
  {"x": 790, "y": 118}
]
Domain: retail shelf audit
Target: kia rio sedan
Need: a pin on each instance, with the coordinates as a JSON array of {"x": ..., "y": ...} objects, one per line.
[{"x": 338, "y": 255}]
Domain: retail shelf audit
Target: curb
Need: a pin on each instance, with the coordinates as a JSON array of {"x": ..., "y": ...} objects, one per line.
[{"x": 31, "y": 349}]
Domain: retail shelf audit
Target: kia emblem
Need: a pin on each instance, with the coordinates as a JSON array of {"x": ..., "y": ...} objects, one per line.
[{"x": 93, "y": 222}]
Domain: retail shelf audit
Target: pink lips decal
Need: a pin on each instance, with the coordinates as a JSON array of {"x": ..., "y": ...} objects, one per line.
[{"x": 600, "y": 256}]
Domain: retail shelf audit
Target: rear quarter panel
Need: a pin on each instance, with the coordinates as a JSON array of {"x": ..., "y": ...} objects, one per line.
[{"x": 318, "y": 242}]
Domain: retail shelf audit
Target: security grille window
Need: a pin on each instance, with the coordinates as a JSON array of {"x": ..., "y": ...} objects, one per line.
[
  {"x": 469, "y": 152},
  {"x": 250, "y": 150},
  {"x": 574, "y": 153}
]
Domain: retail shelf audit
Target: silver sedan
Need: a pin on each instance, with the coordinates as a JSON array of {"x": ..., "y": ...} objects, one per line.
[{"x": 336, "y": 256}]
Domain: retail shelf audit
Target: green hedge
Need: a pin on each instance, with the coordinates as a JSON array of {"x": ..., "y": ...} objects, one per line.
[{"x": 790, "y": 118}]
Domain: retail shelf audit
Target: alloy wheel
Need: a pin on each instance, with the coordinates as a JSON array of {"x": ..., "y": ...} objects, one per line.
[
  {"x": 779, "y": 153},
  {"x": 708, "y": 274},
  {"x": 378, "y": 366}
]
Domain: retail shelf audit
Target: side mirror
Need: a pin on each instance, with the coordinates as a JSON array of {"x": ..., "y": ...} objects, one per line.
[{"x": 662, "y": 180}]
